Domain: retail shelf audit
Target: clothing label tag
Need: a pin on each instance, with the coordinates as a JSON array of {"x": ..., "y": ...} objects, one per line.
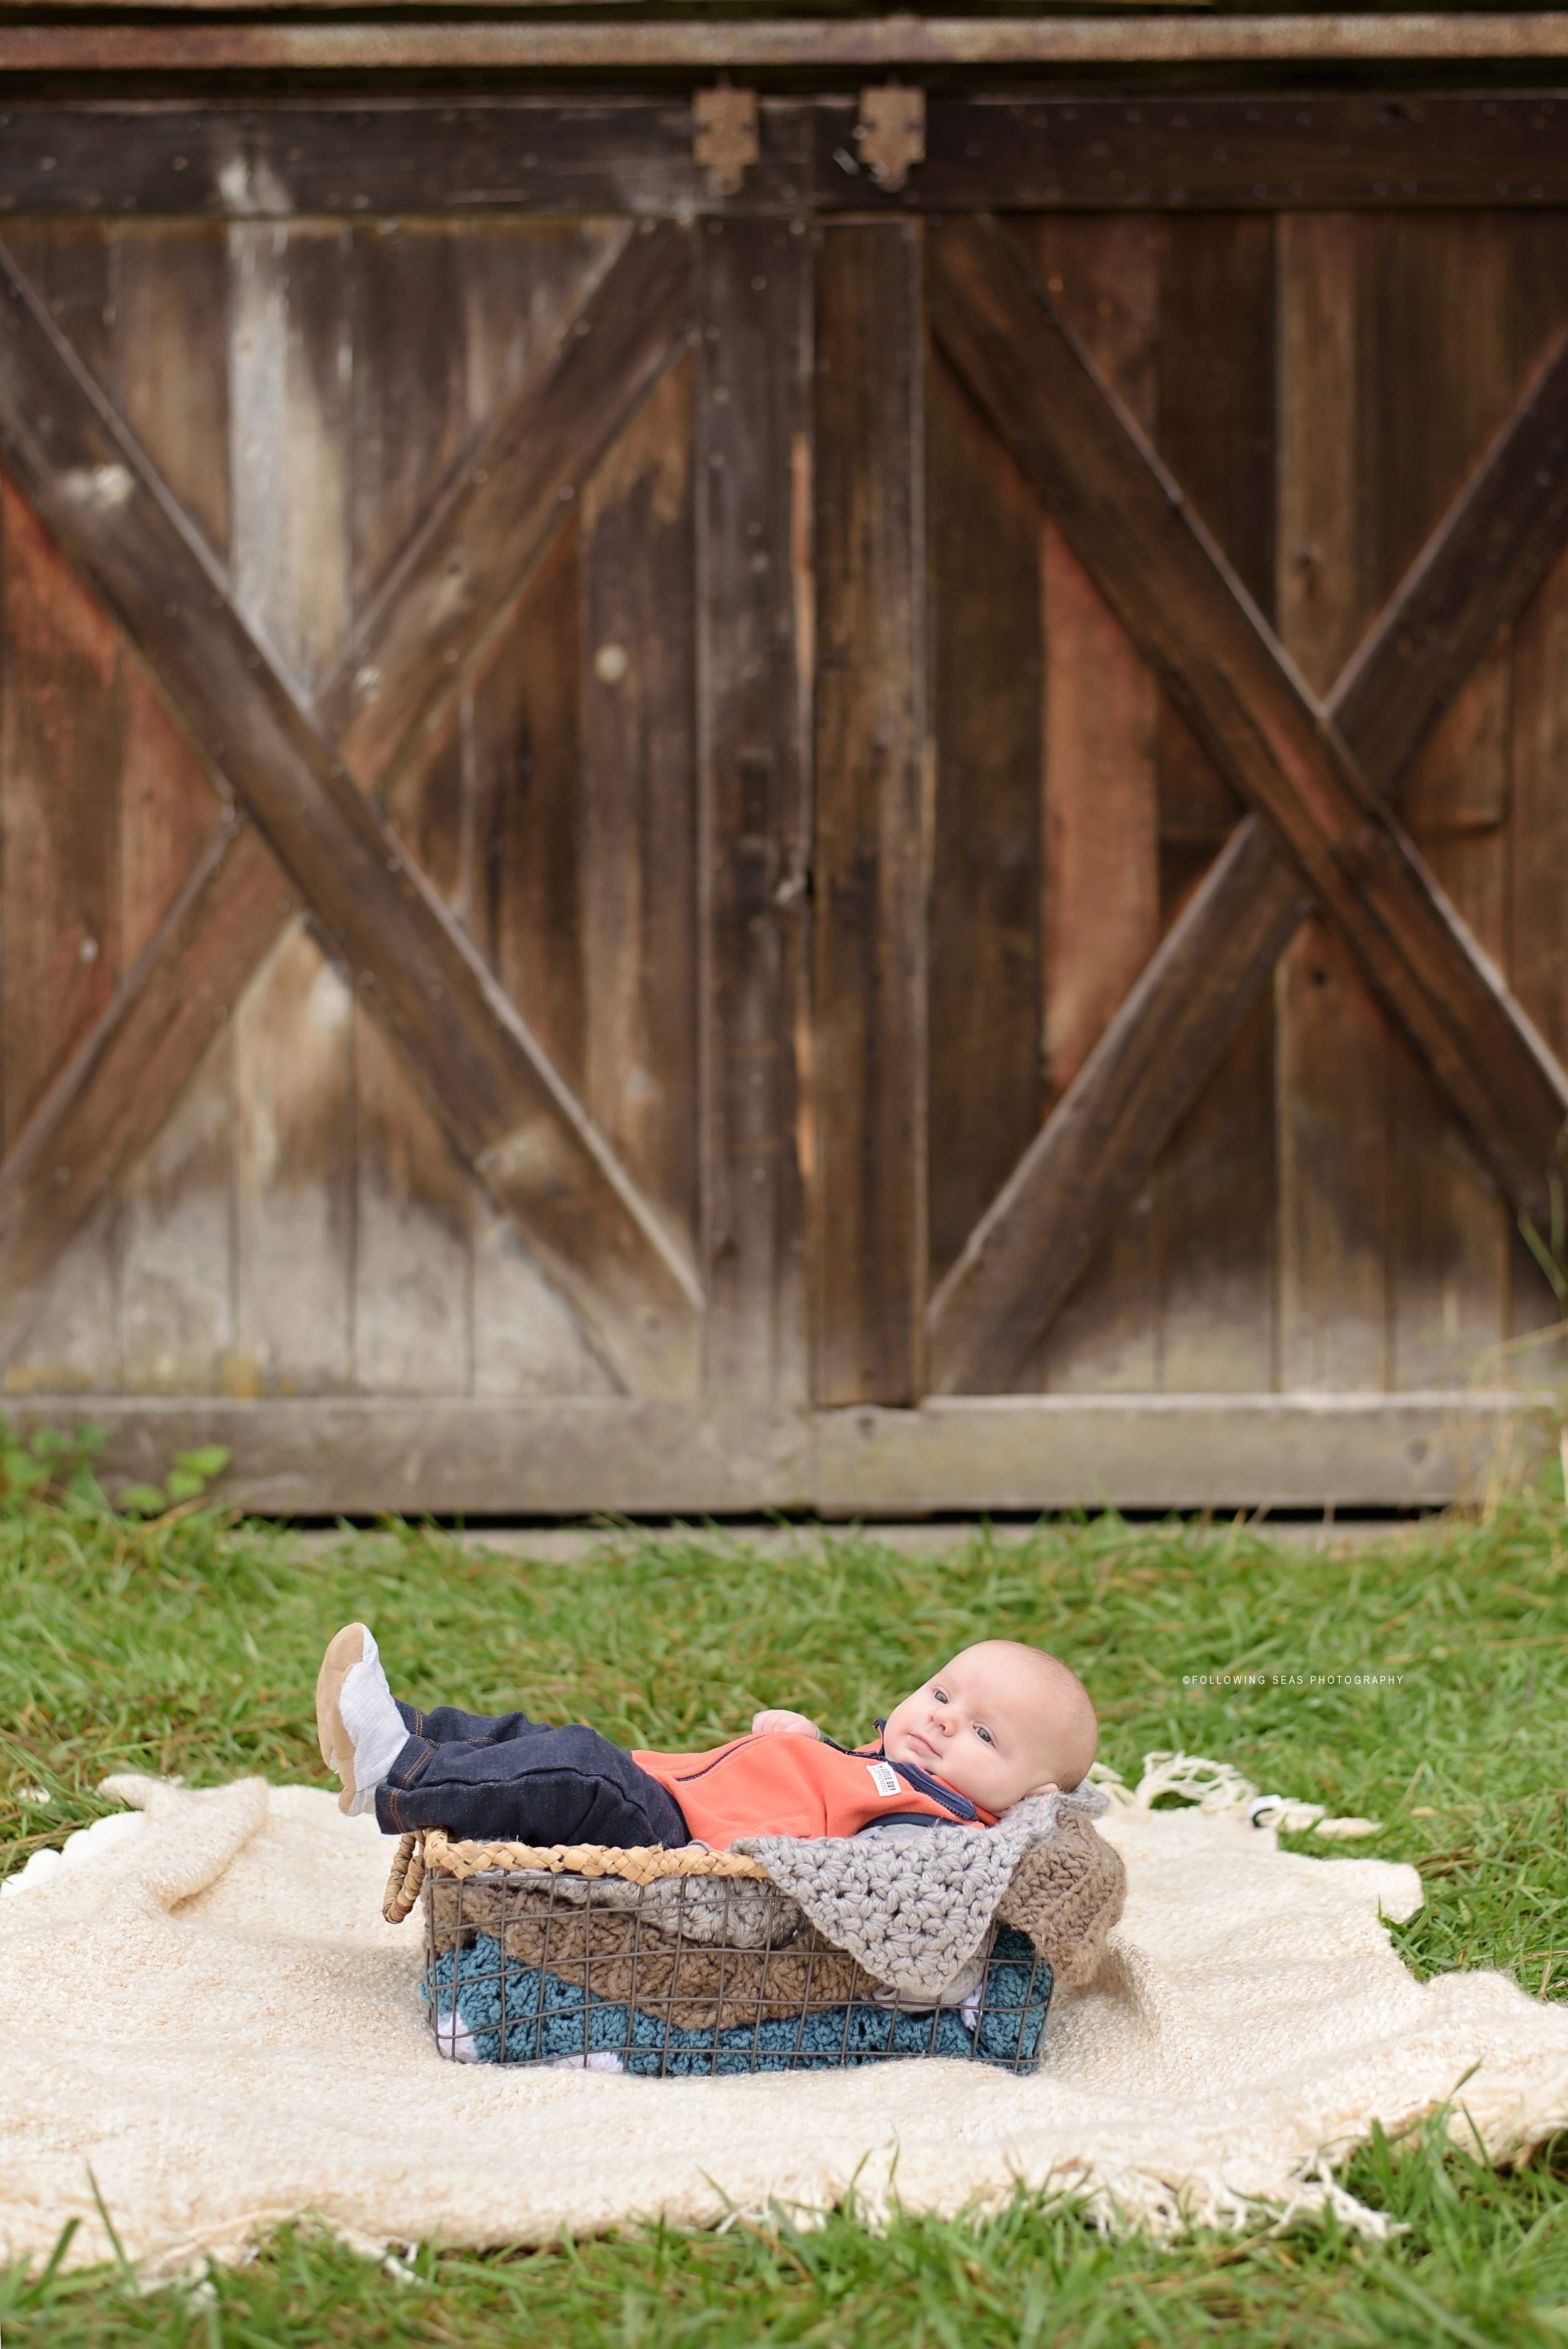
[{"x": 884, "y": 1778}]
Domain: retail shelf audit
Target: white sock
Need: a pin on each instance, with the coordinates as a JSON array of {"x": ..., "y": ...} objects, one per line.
[
  {"x": 376, "y": 1727},
  {"x": 454, "y": 2041}
]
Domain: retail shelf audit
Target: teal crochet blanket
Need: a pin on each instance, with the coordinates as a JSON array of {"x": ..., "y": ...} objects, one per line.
[{"x": 549, "y": 2021}]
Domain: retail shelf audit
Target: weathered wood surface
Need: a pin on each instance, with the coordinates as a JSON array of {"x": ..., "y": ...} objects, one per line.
[
  {"x": 614, "y": 777},
  {"x": 637, "y": 804},
  {"x": 1334, "y": 1037},
  {"x": 519, "y": 876},
  {"x": 570, "y": 1457},
  {"x": 1420, "y": 959},
  {"x": 986, "y": 709},
  {"x": 1449, "y": 1230},
  {"x": 872, "y": 819},
  {"x": 445, "y": 152},
  {"x": 754, "y": 617},
  {"x": 420, "y": 154},
  {"x": 476, "y": 547},
  {"x": 309, "y": 629},
  {"x": 1215, "y": 1182},
  {"x": 1197, "y": 1452},
  {"x": 505, "y": 1106},
  {"x": 61, "y": 729},
  {"x": 111, "y": 1100},
  {"x": 1100, "y": 790}
]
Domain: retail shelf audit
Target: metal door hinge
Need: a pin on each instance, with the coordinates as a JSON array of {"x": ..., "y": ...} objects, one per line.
[
  {"x": 890, "y": 134},
  {"x": 723, "y": 135}
]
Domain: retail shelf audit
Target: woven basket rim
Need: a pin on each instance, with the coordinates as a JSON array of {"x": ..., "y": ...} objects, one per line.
[{"x": 433, "y": 1851}]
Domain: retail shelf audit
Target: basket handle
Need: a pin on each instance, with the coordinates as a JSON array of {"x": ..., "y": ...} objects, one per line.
[{"x": 407, "y": 1877}]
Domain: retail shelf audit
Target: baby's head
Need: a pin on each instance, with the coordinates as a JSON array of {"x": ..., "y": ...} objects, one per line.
[{"x": 1000, "y": 1722}]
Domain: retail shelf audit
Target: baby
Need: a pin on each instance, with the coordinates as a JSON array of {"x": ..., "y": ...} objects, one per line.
[{"x": 999, "y": 1721}]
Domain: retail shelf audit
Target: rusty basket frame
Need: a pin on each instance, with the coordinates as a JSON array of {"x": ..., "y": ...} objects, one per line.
[{"x": 674, "y": 1963}]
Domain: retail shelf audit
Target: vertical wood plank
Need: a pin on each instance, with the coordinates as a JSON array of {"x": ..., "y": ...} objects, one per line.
[
  {"x": 1331, "y": 566},
  {"x": 1537, "y": 909},
  {"x": 1215, "y": 423},
  {"x": 172, "y": 359},
  {"x": 1215, "y": 1183},
  {"x": 294, "y": 1059},
  {"x": 412, "y": 1238},
  {"x": 418, "y": 1210},
  {"x": 172, "y": 369},
  {"x": 489, "y": 811},
  {"x": 1448, "y": 297},
  {"x": 984, "y": 1014},
  {"x": 74, "y": 1346},
  {"x": 523, "y": 745},
  {"x": 410, "y": 386},
  {"x": 1535, "y": 875},
  {"x": 1450, "y": 380},
  {"x": 752, "y": 448},
  {"x": 1101, "y": 807},
  {"x": 1216, "y": 1236},
  {"x": 177, "y": 1222},
  {"x": 1333, "y": 1041},
  {"x": 177, "y": 1204},
  {"x": 521, "y": 753},
  {"x": 290, "y": 395},
  {"x": 1334, "y": 1169},
  {"x": 60, "y": 758},
  {"x": 291, "y": 381},
  {"x": 1449, "y": 1279},
  {"x": 871, "y": 822},
  {"x": 1101, "y": 915},
  {"x": 637, "y": 825},
  {"x": 168, "y": 810},
  {"x": 1538, "y": 866},
  {"x": 413, "y": 1261},
  {"x": 518, "y": 879},
  {"x": 61, "y": 857},
  {"x": 1198, "y": 812},
  {"x": 177, "y": 1225},
  {"x": 60, "y": 730}
]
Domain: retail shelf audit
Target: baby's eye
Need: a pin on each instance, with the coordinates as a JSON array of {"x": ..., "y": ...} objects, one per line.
[
  {"x": 984, "y": 1734},
  {"x": 940, "y": 1694}
]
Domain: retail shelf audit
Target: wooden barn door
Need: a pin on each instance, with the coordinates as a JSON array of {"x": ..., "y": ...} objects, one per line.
[
  {"x": 695, "y": 839},
  {"x": 1245, "y": 537},
  {"x": 365, "y": 870}
]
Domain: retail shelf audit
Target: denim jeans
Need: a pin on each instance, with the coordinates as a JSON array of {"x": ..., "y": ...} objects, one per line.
[{"x": 508, "y": 1779}]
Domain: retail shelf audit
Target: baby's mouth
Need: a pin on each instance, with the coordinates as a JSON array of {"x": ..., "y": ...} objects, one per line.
[{"x": 924, "y": 1745}]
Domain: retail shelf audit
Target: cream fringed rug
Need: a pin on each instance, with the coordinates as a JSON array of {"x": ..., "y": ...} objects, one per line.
[{"x": 206, "y": 2014}]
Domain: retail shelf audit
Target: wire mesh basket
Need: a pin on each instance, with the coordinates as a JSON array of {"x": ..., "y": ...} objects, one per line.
[{"x": 676, "y": 1963}]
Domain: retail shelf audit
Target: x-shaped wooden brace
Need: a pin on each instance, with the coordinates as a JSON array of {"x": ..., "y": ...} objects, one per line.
[
  {"x": 303, "y": 778},
  {"x": 1310, "y": 772}
]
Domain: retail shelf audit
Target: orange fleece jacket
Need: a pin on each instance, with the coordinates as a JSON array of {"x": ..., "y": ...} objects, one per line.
[{"x": 791, "y": 1785}]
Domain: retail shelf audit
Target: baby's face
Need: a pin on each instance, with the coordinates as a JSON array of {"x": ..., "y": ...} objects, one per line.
[{"x": 976, "y": 1724}]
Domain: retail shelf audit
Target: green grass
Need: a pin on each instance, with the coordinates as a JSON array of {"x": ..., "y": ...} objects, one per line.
[{"x": 193, "y": 1648}]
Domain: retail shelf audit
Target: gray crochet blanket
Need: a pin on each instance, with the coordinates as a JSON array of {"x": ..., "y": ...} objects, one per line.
[{"x": 917, "y": 1906}]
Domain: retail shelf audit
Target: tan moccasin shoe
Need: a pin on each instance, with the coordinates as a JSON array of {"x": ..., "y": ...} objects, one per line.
[{"x": 346, "y": 1650}]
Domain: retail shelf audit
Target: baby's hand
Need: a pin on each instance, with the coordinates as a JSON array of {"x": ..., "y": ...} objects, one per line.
[{"x": 773, "y": 1725}]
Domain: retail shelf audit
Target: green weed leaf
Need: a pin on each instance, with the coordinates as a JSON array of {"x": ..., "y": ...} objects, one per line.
[
  {"x": 142, "y": 1501},
  {"x": 210, "y": 1461}
]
